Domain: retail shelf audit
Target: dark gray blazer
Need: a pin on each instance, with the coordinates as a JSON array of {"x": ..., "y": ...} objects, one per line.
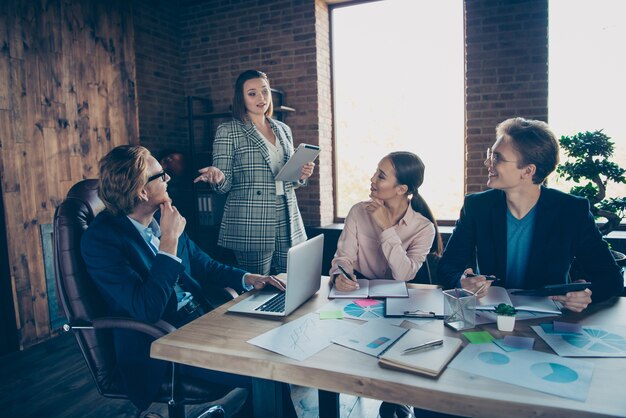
[
  {"x": 564, "y": 230},
  {"x": 249, "y": 222}
]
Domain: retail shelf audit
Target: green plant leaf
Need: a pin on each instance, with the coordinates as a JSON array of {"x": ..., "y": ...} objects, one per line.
[
  {"x": 588, "y": 164},
  {"x": 504, "y": 309}
]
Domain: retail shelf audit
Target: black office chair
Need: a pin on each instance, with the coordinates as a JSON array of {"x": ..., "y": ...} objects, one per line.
[
  {"x": 425, "y": 273},
  {"x": 85, "y": 311}
]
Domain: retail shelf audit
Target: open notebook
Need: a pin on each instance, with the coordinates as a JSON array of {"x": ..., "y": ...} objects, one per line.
[
  {"x": 429, "y": 362},
  {"x": 376, "y": 288}
]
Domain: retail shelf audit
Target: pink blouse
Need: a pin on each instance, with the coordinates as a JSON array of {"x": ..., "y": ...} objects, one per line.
[{"x": 394, "y": 253}]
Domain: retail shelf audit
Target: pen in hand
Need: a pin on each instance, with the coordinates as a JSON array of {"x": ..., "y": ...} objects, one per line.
[
  {"x": 430, "y": 344},
  {"x": 346, "y": 275},
  {"x": 490, "y": 278}
]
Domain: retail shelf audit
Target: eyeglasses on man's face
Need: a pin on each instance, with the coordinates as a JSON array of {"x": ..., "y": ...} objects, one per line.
[
  {"x": 495, "y": 158},
  {"x": 162, "y": 175}
]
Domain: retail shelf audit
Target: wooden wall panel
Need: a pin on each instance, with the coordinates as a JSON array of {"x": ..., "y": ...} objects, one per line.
[
  {"x": 4, "y": 61},
  {"x": 68, "y": 87}
]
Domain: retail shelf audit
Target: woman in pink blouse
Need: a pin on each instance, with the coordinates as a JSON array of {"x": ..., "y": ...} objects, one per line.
[{"x": 389, "y": 236}]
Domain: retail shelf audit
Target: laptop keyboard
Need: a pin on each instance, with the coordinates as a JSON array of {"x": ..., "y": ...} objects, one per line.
[{"x": 275, "y": 304}]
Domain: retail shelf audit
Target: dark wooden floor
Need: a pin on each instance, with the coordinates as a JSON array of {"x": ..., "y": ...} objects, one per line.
[{"x": 51, "y": 380}]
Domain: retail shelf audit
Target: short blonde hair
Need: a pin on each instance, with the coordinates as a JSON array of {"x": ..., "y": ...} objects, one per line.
[{"x": 123, "y": 173}]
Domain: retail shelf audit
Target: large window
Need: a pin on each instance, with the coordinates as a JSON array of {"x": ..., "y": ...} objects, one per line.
[
  {"x": 398, "y": 72},
  {"x": 587, "y": 67}
]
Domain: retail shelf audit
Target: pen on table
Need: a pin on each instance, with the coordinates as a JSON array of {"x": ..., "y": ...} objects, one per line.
[
  {"x": 345, "y": 273},
  {"x": 421, "y": 314},
  {"x": 430, "y": 344}
]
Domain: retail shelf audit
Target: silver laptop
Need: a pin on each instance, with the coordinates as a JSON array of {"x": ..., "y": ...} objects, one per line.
[{"x": 304, "y": 275}]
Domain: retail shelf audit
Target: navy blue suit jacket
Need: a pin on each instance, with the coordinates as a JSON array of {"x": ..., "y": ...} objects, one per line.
[
  {"x": 564, "y": 230},
  {"x": 134, "y": 282}
]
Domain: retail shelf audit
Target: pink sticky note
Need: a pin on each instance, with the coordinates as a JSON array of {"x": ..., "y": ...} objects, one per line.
[
  {"x": 559, "y": 326},
  {"x": 363, "y": 303}
]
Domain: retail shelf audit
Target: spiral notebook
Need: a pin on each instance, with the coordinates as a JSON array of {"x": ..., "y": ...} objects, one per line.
[
  {"x": 376, "y": 288},
  {"x": 429, "y": 362}
]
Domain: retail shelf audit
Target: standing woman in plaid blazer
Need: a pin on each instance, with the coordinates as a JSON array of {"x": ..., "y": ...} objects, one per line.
[{"x": 261, "y": 216}]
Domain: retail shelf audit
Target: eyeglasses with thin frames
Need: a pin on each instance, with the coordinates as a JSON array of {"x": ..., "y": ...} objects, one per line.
[
  {"x": 162, "y": 175},
  {"x": 496, "y": 159}
]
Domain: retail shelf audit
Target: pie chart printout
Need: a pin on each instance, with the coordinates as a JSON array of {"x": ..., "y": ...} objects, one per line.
[
  {"x": 495, "y": 359},
  {"x": 544, "y": 372},
  {"x": 589, "y": 341},
  {"x": 597, "y": 340},
  {"x": 373, "y": 311},
  {"x": 554, "y": 372}
]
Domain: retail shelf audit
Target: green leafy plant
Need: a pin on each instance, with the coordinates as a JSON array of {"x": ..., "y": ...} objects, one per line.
[
  {"x": 589, "y": 165},
  {"x": 506, "y": 310}
]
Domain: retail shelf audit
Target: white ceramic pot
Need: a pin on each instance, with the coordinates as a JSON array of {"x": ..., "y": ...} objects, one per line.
[{"x": 506, "y": 323}]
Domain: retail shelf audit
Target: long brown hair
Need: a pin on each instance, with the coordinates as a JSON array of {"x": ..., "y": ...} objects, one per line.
[
  {"x": 410, "y": 172},
  {"x": 239, "y": 104}
]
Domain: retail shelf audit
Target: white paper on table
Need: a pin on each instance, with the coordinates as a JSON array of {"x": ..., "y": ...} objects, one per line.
[
  {"x": 371, "y": 338},
  {"x": 388, "y": 321},
  {"x": 595, "y": 341},
  {"x": 303, "y": 337},
  {"x": 564, "y": 377}
]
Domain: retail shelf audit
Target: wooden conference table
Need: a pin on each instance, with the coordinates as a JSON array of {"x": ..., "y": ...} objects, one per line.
[{"x": 217, "y": 341}]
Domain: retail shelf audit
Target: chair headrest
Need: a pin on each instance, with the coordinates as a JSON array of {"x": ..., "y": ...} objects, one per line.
[{"x": 87, "y": 192}]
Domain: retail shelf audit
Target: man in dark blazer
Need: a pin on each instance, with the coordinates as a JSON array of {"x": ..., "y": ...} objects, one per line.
[
  {"x": 147, "y": 268},
  {"x": 524, "y": 233}
]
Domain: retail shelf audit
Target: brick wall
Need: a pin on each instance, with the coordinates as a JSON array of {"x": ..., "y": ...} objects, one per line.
[
  {"x": 506, "y": 56},
  {"x": 507, "y": 72},
  {"x": 220, "y": 39},
  {"x": 160, "y": 90}
]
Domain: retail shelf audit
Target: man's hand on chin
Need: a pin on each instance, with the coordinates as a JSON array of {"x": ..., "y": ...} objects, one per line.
[{"x": 172, "y": 226}]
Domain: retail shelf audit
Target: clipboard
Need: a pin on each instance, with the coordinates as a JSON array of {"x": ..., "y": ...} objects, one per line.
[{"x": 291, "y": 171}]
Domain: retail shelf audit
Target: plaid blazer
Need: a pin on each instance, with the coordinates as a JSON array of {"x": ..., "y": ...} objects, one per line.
[{"x": 249, "y": 222}]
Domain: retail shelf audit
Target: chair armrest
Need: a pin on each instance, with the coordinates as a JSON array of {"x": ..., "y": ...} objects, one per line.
[
  {"x": 232, "y": 292},
  {"x": 156, "y": 330}
]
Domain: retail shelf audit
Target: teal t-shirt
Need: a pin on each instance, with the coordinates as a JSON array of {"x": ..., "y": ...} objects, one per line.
[{"x": 519, "y": 235}]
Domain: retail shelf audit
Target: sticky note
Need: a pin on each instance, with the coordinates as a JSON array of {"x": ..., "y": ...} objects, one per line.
[
  {"x": 549, "y": 329},
  {"x": 567, "y": 327},
  {"x": 336, "y": 314},
  {"x": 525, "y": 343},
  {"x": 364, "y": 303},
  {"x": 478, "y": 337}
]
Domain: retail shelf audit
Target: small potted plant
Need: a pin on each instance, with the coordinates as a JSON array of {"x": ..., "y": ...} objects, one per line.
[{"x": 506, "y": 317}]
